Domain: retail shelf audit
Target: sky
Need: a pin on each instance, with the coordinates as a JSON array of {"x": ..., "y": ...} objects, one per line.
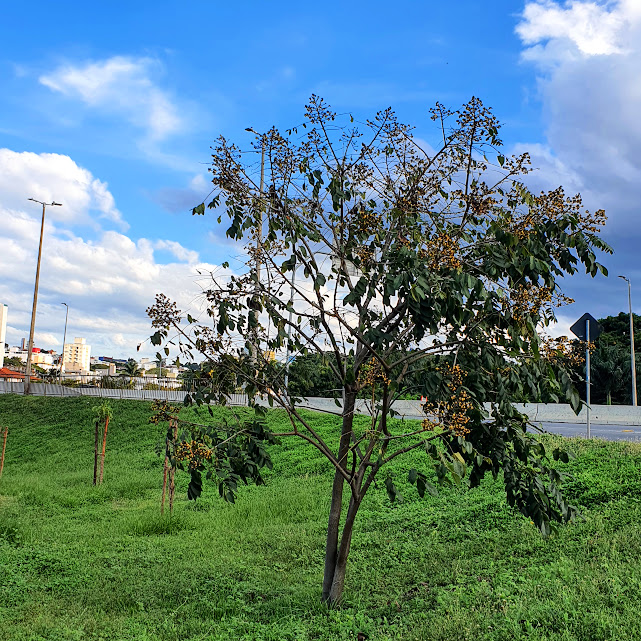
[{"x": 111, "y": 109}]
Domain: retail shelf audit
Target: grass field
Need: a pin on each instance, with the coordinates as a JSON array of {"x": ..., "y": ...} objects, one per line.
[{"x": 86, "y": 563}]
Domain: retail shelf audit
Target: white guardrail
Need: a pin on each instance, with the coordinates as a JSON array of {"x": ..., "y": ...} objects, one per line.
[
  {"x": 411, "y": 410},
  {"x": 58, "y": 390}
]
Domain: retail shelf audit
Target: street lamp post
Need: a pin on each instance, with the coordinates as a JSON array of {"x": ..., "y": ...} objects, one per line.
[
  {"x": 289, "y": 330},
  {"x": 259, "y": 229},
  {"x": 27, "y": 374},
  {"x": 64, "y": 340},
  {"x": 632, "y": 362}
]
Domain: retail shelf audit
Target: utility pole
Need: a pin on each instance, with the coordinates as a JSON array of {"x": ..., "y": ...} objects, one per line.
[
  {"x": 632, "y": 360},
  {"x": 64, "y": 340},
  {"x": 27, "y": 374},
  {"x": 289, "y": 328},
  {"x": 259, "y": 234}
]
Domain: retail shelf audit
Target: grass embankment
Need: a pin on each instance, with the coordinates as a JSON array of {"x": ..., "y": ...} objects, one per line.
[{"x": 83, "y": 562}]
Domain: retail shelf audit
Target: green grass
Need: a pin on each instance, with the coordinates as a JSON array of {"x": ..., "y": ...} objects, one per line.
[{"x": 78, "y": 562}]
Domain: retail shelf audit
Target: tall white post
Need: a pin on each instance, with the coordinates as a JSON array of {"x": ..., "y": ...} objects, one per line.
[
  {"x": 289, "y": 330},
  {"x": 632, "y": 363}
]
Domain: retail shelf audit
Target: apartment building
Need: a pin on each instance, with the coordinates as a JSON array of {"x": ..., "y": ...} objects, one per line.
[{"x": 76, "y": 356}]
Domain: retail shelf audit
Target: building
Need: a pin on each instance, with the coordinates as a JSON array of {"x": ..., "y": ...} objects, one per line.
[
  {"x": 3, "y": 331},
  {"x": 76, "y": 356},
  {"x": 42, "y": 358},
  {"x": 11, "y": 376}
]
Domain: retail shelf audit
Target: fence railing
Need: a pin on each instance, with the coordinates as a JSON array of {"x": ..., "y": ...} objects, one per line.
[{"x": 121, "y": 388}]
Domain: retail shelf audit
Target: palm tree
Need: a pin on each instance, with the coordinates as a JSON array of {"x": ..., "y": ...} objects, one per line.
[
  {"x": 131, "y": 368},
  {"x": 610, "y": 371}
]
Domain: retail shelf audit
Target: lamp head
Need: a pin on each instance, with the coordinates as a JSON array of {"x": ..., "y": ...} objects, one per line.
[{"x": 627, "y": 280}]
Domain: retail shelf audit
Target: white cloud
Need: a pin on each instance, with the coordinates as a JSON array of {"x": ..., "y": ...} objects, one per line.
[
  {"x": 587, "y": 28},
  {"x": 180, "y": 252},
  {"x": 123, "y": 86},
  {"x": 561, "y": 327},
  {"x": 107, "y": 280},
  {"x": 588, "y": 56},
  {"x": 49, "y": 177}
]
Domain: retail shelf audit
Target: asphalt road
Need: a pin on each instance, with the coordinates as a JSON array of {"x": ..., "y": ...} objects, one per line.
[{"x": 606, "y": 432}]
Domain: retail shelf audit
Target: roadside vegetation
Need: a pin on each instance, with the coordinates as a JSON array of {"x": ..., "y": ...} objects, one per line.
[{"x": 85, "y": 562}]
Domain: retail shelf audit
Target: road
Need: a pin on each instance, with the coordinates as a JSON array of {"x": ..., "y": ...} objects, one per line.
[{"x": 606, "y": 432}]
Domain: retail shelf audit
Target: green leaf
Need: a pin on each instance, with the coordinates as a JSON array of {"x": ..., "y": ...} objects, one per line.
[
  {"x": 423, "y": 485},
  {"x": 195, "y": 487},
  {"x": 319, "y": 281},
  {"x": 392, "y": 493},
  {"x": 199, "y": 210}
]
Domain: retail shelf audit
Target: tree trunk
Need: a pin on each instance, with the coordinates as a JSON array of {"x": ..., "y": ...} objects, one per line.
[
  {"x": 331, "y": 547},
  {"x": 5, "y": 433},
  {"x": 165, "y": 470},
  {"x": 338, "y": 580},
  {"x": 95, "y": 452},
  {"x": 172, "y": 469},
  {"x": 609, "y": 398},
  {"x": 104, "y": 446}
]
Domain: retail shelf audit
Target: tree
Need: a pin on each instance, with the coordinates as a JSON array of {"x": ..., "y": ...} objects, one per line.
[
  {"x": 217, "y": 376},
  {"x": 392, "y": 257},
  {"x": 610, "y": 360},
  {"x": 131, "y": 368},
  {"x": 311, "y": 375},
  {"x": 14, "y": 361},
  {"x": 51, "y": 375},
  {"x": 609, "y": 372},
  {"x": 155, "y": 371}
]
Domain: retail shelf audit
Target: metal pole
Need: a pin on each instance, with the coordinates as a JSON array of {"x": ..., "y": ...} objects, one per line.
[
  {"x": 259, "y": 239},
  {"x": 27, "y": 374},
  {"x": 289, "y": 328},
  {"x": 632, "y": 360},
  {"x": 632, "y": 363},
  {"x": 587, "y": 372},
  {"x": 64, "y": 340}
]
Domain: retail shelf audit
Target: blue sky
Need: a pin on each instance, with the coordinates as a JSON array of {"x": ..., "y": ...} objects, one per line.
[{"x": 111, "y": 109}]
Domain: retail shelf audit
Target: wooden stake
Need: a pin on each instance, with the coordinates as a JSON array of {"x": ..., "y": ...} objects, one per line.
[
  {"x": 104, "y": 445},
  {"x": 4, "y": 445},
  {"x": 164, "y": 477},
  {"x": 172, "y": 472},
  {"x": 95, "y": 452},
  {"x": 165, "y": 470}
]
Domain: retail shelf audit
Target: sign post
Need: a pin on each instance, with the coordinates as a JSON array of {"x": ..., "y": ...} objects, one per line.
[
  {"x": 587, "y": 374},
  {"x": 586, "y": 329}
]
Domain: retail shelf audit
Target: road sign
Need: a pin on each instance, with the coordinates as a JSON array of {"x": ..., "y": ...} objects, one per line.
[
  {"x": 587, "y": 329},
  {"x": 579, "y": 328}
]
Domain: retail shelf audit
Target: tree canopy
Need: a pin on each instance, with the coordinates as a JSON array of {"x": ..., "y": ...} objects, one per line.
[
  {"x": 393, "y": 256},
  {"x": 610, "y": 361}
]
